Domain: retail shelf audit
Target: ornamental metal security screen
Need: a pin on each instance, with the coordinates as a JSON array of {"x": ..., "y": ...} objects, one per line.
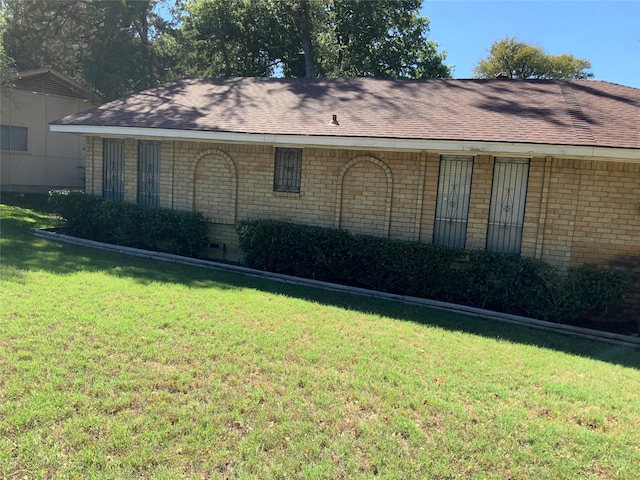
[
  {"x": 149, "y": 173},
  {"x": 452, "y": 205},
  {"x": 113, "y": 169},
  {"x": 506, "y": 214},
  {"x": 288, "y": 170}
]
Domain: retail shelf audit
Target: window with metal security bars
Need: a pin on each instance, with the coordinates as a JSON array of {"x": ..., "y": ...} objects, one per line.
[
  {"x": 13, "y": 138},
  {"x": 113, "y": 169},
  {"x": 506, "y": 214},
  {"x": 149, "y": 173},
  {"x": 288, "y": 170},
  {"x": 452, "y": 205}
]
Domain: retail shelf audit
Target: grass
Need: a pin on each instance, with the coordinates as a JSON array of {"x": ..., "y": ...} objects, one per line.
[{"x": 118, "y": 367}]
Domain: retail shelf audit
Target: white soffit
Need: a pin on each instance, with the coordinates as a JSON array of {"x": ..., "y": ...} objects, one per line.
[{"x": 374, "y": 143}]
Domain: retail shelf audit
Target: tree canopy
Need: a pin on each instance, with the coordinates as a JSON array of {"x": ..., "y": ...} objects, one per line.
[
  {"x": 516, "y": 59},
  {"x": 379, "y": 39},
  {"x": 327, "y": 38},
  {"x": 7, "y": 64},
  {"x": 119, "y": 47},
  {"x": 107, "y": 45}
]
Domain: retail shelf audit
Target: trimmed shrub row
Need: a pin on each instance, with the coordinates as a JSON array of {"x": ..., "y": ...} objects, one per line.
[
  {"x": 494, "y": 281},
  {"x": 130, "y": 224}
]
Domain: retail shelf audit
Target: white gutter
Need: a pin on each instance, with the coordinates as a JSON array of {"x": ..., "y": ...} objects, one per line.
[{"x": 368, "y": 143}]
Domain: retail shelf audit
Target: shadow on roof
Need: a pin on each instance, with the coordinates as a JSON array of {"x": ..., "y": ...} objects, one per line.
[{"x": 544, "y": 111}]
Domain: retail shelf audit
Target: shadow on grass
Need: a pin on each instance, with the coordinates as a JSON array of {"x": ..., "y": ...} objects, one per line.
[
  {"x": 33, "y": 253},
  {"x": 22, "y": 252},
  {"x": 446, "y": 320}
]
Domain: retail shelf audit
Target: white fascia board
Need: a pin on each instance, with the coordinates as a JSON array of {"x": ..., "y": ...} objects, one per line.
[{"x": 368, "y": 143}]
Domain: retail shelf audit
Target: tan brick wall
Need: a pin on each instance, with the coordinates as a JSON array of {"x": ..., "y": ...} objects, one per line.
[
  {"x": 131, "y": 170},
  {"x": 408, "y": 182},
  {"x": 480, "y": 201},
  {"x": 542, "y": 207},
  {"x": 166, "y": 174},
  {"x": 381, "y": 190},
  {"x": 94, "y": 158},
  {"x": 577, "y": 211},
  {"x": 590, "y": 214},
  {"x": 215, "y": 187},
  {"x": 364, "y": 203},
  {"x": 89, "y": 167},
  {"x": 561, "y": 205},
  {"x": 607, "y": 224},
  {"x": 608, "y": 211},
  {"x": 429, "y": 195},
  {"x": 224, "y": 242},
  {"x": 533, "y": 207}
]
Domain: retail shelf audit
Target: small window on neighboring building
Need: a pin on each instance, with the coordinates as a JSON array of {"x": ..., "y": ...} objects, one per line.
[
  {"x": 452, "y": 207},
  {"x": 13, "y": 138},
  {"x": 149, "y": 173},
  {"x": 288, "y": 170},
  {"x": 506, "y": 214},
  {"x": 113, "y": 169}
]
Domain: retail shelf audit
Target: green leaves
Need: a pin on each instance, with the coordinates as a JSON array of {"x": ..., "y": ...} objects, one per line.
[
  {"x": 229, "y": 38},
  {"x": 130, "y": 224},
  {"x": 345, "y": 38},
  {"x": 380, "y": 39},
  {"x": 521, "y": 60},
  {"x": 121, "y": 47},
  {"x": 111, "y": 46},
  {"x": 495, "y": 281},
  {"x": 592, "y": 290}
]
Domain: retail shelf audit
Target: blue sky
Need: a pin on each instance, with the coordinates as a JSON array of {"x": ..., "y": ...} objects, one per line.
[{"x": 605, "y": 32}]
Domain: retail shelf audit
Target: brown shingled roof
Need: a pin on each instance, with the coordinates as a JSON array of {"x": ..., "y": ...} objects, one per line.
[{"x": 553, "y": 112}]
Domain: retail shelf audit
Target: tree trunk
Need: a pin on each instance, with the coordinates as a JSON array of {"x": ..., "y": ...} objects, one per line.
[{"x": 304, "y": 22}]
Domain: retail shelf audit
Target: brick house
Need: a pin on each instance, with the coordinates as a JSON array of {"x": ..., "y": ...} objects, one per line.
[{"x": 546, "y": 169}]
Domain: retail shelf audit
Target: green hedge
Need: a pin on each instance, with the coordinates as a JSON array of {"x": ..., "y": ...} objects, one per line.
[
  {"x": 130, "y": 224},
  {"x": 494, "y": 281}
]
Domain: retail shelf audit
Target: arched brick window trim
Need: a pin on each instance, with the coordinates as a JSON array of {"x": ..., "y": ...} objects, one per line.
[
  {"x": 219, "y": 155},
  {"x": 385, "y": 168}
]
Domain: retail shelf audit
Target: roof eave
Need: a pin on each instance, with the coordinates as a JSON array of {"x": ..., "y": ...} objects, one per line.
[
  {"x": 68, "y": 81},
  {"x": 368, "y": 143}
]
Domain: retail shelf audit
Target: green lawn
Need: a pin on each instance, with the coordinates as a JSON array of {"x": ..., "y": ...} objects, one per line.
[{"x": 118, "y": 367}]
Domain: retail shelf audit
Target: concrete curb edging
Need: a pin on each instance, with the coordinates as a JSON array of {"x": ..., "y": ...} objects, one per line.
[{"x": 596, "y": 335}]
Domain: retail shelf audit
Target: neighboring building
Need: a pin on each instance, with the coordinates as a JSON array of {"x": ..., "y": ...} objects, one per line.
[
  {"x": 32, "y": 158},
  {"x": 545, "y": 169}
]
